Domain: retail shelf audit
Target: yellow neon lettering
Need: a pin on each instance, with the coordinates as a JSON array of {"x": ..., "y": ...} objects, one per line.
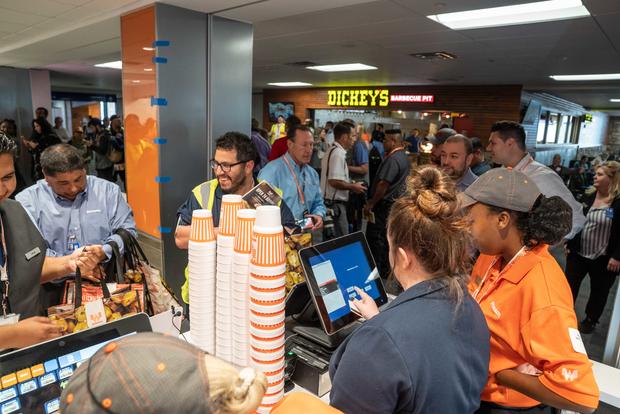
[
  {"x": 363, "y": 100},
  {"x": 353, "y": 97},
  {"x": 338, "y": 95},
  {"x": 331, "y": 98},
  {"x": 373, "y": 95},
  {"x": 384, "y": 98},
  {"x": 345, "y": 98}
]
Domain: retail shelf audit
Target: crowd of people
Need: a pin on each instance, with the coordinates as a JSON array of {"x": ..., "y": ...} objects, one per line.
[{"x": 487, "y": 246}]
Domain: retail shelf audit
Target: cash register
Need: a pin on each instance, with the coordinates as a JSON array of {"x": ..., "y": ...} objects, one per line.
[{"x": 319, "y": 312}]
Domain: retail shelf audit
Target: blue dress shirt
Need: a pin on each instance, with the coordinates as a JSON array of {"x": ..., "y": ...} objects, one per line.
[
  {"x": 278, "y": 173},
  {"x": 92, "y": 216}
]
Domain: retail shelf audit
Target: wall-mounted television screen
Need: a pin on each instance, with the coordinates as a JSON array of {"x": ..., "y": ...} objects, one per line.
[{"x": 276, "y": 109}]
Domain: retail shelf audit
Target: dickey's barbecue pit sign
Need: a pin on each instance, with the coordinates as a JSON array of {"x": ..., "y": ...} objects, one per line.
[{"x": 372, "y": 97}]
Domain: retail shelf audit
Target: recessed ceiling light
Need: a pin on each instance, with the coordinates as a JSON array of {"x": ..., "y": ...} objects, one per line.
[
  {"x": 542, "y": 11},
  {"x": 614, "y": 100},
  {"x": 346, "y": 67},
  {"x": 148, "y": 49},
  {"x": 591, "y": 77},
  {"x": 117, "y": 64},
  {"x": 135, "y": 81},
  {"x": 148, "y": 69},
  {"x": 289, "y": 84}
]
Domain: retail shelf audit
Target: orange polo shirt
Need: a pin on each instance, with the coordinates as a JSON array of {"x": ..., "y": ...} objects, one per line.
[
  {"x": 529, "y": 310},
  {"x": 301, "y": 402}
]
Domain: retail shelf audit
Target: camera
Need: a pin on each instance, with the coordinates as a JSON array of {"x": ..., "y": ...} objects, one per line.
[{"x": 329, "y": 229}]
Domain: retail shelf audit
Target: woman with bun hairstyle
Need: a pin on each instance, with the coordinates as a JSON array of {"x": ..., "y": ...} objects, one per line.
[
  {"x": 153, "y": 373},
  {"x": 538, "y": 360},
  {"x": 428, "y": 350}
]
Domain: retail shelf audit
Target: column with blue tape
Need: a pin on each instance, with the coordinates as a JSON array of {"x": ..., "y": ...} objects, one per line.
[{"x": 160, "y": 101}]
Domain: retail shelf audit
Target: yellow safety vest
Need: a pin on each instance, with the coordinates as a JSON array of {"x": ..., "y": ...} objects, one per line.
[{"x": 205, "y": 195}]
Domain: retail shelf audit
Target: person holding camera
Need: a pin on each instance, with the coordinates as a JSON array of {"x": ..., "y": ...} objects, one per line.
[
  {"x": 298, "y": 181},
  {"x": 335, "y": 181},
  {"x": 388, "y": 185}
]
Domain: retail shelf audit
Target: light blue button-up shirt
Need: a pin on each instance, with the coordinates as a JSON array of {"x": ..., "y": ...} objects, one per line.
[
  {"x": 278, "y": 174},
  {"x": 92, "y": 216}
]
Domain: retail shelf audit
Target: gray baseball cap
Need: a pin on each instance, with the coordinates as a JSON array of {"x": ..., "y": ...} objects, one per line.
[
  {"x": 143, "y": 372},
  {"x": 442, "y": 135},
  {"x": 503, "y": 188}
]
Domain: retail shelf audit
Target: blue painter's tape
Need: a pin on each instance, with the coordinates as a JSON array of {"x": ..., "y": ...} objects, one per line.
[
  {"x": 158, "y": 101},
  {"x": 159, "y": 59},
  {"x": 159, "y": 43},
  {"x": 163, "y": 179},
  {"x": 164, "y": 229},
  {"x": 160, "y": 141}
]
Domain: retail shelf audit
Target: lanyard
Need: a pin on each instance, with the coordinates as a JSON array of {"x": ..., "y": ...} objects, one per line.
[
  {"x": 299, "y": 190},
  {"x": 4, "y": 276},
  {"x": 520, "y": 253},
  {"x": 393, "y": 152}
]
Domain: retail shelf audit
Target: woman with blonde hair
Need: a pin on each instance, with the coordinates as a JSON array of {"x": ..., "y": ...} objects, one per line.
[
  {"x": 153, "y": 373},
  {"x": 596, "y": 250},
  {"x": 428, "y": 350}
]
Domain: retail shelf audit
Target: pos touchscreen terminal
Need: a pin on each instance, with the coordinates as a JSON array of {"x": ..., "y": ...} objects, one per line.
[{"x": 333, "y": 269}]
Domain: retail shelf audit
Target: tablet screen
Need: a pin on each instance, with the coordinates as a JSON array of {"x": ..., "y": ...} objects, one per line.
[
  {"x": 333, "y": 269},
  {"x": 337, "y": 272}
]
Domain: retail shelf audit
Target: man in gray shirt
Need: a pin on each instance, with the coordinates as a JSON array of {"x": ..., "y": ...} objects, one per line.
[{"x": 389, "y": 184}]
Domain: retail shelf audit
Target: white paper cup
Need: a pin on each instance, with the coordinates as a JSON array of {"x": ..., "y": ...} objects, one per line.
[
  {"x": 267, "y": 270},
  {"x": 268, "y": 295},
  {"x": 267, "y": 343},
  {"x": 267, "y": 282},
  {"x": 267, "y": 307},
  {"x": 241, "y": 259},
  {"x": 274, "y": 389},
  {"x": 274, "y": 398},
  {"x": 268, "y": 216},
  {"x": 274, "y": 377},
  {"x": 267, "y": 366},
  {"x": 260, "y": 331},
  {"x": 267, "y": 319},
  {"x": 227, "y": 242},
  {"x": 267, "y": 354}
]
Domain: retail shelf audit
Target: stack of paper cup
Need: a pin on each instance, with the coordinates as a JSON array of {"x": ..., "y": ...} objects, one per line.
[
  {"x": 267, "y": 292},
  {"x": 231, "y": 203},
  {"x": 242, "y": 254},
  {"x": 202, "y": 280}
]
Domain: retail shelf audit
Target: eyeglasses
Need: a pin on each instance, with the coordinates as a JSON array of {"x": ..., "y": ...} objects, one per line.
[{"x": 224, "y": 166}]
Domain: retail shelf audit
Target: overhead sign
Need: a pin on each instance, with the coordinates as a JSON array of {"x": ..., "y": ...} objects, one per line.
[
  {"x": 413, "y": 98},
  {"x": 372, "y": 97},
  {"x": 358, "y": 97}
]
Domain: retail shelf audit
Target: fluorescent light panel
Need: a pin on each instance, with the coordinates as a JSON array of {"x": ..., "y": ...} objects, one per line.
[
  {"x": 542, "y": 11},
  {"x": 590, "y": 77},
  {"x": 117, "y": 64},
  {"x": 284, "y": 84},
  {"x": 346, "y": 67},
  {"x": 615, "y": 100}
]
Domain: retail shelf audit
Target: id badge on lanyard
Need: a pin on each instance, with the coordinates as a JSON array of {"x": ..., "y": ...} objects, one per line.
[
  {"x": 478, "y": 295},
  {"x": 4, "y": 277}
]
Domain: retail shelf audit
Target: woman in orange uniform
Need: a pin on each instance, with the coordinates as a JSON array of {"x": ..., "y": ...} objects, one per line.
[{"x": 538, "y": 361}]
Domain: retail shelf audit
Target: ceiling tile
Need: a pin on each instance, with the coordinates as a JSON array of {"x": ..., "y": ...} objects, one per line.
[
  {"x": 47, "y": 8},
  {"x": 10, "y": 16}
]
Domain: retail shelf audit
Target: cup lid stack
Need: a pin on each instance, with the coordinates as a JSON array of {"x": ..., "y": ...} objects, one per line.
[
  {"x": 202, "y": 275},
  {"x": 231, "y": 203},
  {"x": 267, "y": 293},
  {"x": 240, "y": 280}
]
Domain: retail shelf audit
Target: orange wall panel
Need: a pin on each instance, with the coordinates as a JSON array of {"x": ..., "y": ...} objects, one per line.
[{"x": 139, "y": 85}]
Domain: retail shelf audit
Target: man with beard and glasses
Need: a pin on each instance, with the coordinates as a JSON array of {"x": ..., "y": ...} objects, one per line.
[
  {"x": 233, "y": 166},
  {"x": 457, "y": 154}
]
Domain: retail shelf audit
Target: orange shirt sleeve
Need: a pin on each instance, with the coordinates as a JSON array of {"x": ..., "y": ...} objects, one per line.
[{"x": 553, "y": 345}]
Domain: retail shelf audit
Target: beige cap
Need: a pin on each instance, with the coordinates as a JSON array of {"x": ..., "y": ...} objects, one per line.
[{"x": 504, "y": 188}]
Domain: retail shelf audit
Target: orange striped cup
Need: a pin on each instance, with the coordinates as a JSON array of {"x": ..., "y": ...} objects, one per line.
[
  {"x": 202, "y": 227},
  {"x": 269, "y": 250},
  {"x": 244, "y": 232},
  {"x": 231, "y": 203}
]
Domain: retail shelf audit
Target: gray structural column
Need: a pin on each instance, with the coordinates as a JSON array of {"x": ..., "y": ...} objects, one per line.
[{"x": 204, "y": 87}]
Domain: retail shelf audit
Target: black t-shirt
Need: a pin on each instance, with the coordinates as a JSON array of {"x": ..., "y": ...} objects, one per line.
[{"x": 394, "y": 169}]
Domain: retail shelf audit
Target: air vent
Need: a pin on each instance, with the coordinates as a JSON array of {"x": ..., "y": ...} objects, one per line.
[
  {"x": 434, "y": 56},
  {"x": 302, "y": 63}
]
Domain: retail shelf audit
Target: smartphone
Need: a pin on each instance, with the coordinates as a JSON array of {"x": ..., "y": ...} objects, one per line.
[{"x": 305, "y": 223}]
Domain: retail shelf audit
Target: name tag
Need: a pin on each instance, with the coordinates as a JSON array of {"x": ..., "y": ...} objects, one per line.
[
  {"x": 33, "y": 253},
  {"x": 609, "y": 213},
  {"x": 92, "y": 211}
]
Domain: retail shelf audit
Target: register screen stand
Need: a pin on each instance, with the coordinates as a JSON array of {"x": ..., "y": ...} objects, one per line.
[{"x": 304, "y": 319}]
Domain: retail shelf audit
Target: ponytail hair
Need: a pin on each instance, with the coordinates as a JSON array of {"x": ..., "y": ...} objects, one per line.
[
  {"x": 550, "y": 219},
  {"x": 427, "y": 222},
  {"x": 232, "y": 391}
]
